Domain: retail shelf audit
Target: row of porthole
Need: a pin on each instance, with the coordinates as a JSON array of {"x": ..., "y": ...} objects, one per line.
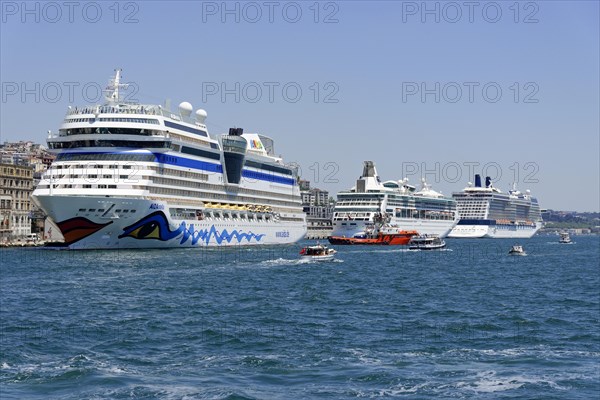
[{"x": 101, "y": 210}]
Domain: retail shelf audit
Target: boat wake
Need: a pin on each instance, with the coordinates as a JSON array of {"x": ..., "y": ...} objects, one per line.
[
  {"x": 382, "y": 249},
  {"x": 428, "y": 250},
  {"x": 296, "y": 261},
  {"x": 388, "y": 250}
]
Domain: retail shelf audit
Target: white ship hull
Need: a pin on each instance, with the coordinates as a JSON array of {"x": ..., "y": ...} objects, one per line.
[
  {"x": 143, "y": 176},
  {"x": 486, "y": 212},
  {"x": 148, "y": 224},
  {"x": 440, "y": 228},
  {"x": 494, "y": 231}
]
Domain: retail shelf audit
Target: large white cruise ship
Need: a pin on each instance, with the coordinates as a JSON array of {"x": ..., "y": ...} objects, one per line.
[
  {"x": 140, "y": 176},
  {"x": 425, "y": 211},
  {"x": 487, "y": 212}
]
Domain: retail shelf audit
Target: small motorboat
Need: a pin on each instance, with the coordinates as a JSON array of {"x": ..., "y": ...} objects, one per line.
[
  {"x": 564, "y": 238},
  {"x": 517, "y": 250},
  {"x": 317, "y": 253},
  {"x": 426, "y": 242}
]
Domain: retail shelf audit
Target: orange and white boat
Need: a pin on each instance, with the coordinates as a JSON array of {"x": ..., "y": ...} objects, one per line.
[{"x": 399, "y": 238}]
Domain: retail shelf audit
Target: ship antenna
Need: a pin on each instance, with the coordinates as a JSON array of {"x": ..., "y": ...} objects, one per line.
[{"x": 111, "y": 93}]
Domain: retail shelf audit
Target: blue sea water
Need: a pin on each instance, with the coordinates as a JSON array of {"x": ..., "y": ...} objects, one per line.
[{"x": 256, "y": 323}]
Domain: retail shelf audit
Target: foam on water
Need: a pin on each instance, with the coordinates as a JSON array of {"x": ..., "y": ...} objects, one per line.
[{"x": 465, "y": 322}]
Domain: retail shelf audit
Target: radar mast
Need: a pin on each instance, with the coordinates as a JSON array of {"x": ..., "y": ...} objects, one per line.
[{"x": 111, "y": 93}]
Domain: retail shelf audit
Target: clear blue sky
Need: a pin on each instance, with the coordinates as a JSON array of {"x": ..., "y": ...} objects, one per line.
[{"x": 376, "y": 56}]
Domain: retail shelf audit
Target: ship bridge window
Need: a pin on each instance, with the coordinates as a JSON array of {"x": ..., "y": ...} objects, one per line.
[
  {"x": 186, "y": 128},
  {"x": 111, "y": 119},
  {"x": 106, "y": 157},
  {"x": 109, "y": 143},
  {"x": 108, "y": 131},
  {"x": 268, "y": 167},
  {"x": 200, "y": 153}
]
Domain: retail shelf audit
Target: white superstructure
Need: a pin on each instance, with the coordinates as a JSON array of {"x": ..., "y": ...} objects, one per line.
[
  {"x": 425, "y": 211},
  {"x": 141, "y": 176},
  {"x": 487, "y": 212}
]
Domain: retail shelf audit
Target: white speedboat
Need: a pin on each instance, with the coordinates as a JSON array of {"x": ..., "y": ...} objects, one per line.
[
  {"x": 426, "y": 242},
  {"x": 317, "y": 253},
  {"x": 564, "y": 238},
  {"x": 517, "y": 250}
]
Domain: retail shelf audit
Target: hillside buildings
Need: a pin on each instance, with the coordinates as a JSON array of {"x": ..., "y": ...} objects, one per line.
[{"x": 21, "y": 167}]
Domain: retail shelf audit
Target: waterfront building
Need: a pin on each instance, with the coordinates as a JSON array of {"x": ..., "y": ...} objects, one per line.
[
  {"x": 16, "y": 185},
  {"x": 318, "y": 207}
]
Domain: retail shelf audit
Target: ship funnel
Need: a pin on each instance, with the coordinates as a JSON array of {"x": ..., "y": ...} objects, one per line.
[
  {"x": 368, "y": 179},
  {"x": 488, "y": 182},
  {"x": 477, "y": 180},
  {"x": 369, "y": 170},
  {"x": 234, "y": 154}
]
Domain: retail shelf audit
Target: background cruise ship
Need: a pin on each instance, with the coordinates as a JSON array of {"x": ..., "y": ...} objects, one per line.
[
  {"x": 487, "y": 212},
  {"x": 140, "y": 176},
  {"x": 425, "y": 211}
]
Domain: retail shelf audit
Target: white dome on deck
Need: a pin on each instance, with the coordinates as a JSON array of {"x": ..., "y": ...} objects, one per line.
[
  {"x": 185, "y": 108},
  {"x": 201, "y": 115}
]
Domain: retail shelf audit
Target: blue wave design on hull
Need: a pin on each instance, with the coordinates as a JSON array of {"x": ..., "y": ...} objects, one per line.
[
  {"x": 156, "y": 226},
  {"x": 206, "y": 234}
]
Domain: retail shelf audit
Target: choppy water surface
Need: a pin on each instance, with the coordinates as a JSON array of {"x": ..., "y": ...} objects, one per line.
[{"x": 256, "y": 323}]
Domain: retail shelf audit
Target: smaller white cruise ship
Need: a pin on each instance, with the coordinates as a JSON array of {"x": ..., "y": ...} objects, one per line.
[
  {"x": 486, "y": 212},
  {"x": 425, "y": 211}
]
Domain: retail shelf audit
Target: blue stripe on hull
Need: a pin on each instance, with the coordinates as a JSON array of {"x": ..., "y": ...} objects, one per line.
[
  {"x": 477, "y": 222},
  {"x": 206, "y": 166},
  {"x": 188, "y": 163},
  {"x": 492, "y": 222},
  {"x": 267, "y": 177}
]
